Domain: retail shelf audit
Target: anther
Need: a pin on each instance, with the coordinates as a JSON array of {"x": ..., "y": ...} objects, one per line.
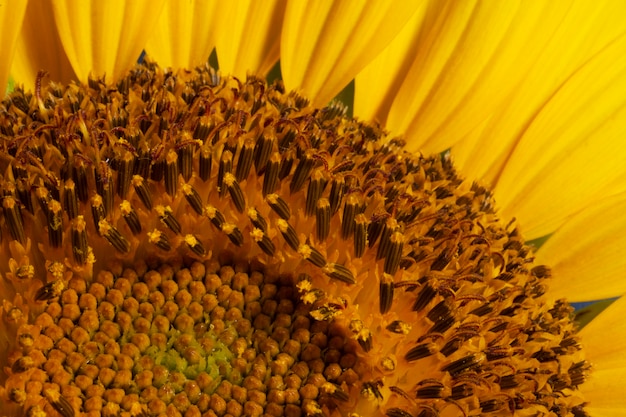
[
  {"x": 131, "y": 217},
  {"x": 236, "y": 195},
  {"x": 226, "y": 167},
  {"x": 159, "y": 239},
  {"x": 466, "y": 363},
  {"x": 104, "y": 186},
  {"x": 286, "y": 163},
  {"x": 386, "y": 293},
  {"x": 262, "y": 151},
  {"x": 289, "y": 234},
  {"x": 279, "y": 206},
  {"x": 79, "y": 175},
  {"x": 124, "y": 173},
  {"x": 205, "y": 162},
  {"x": 302, "y": 172},
  {"x": 70, "y": 199},
  {"x": 193, "y": 198},
  {"x": 98, "y": 211},
  {"x": 216, "y": 217},
  {"x": 337, "y": 189},
  {"x": 312, "y": 255},
  {"x": 171, "y": 172},
  {"x": 350, "y": 209},
  {"x": 399, "y": 327},
  {"x": 166, "y": 215},
  {"x": 233, "y": 233},
  {"x": 322, "y": 219},
  {"x": 63, "y": 407},
  {"x": 264, "y": 242},
  {"x": 244, "y": 162},
  {"x": 79, "y": 240},
  {"x": 360, "y": 235},
  {"x": 142, "y": 191},
  {"x": 185, "y": 157},
  {"x": 49, "y": 291},
  {"x": 270, "y": 179},
  {"x": 257, "y": 220},
  {"x": 114, "y": 237},
  {"x": 13, "y": 217},
  {"x": 317, "y": 183},
  {"x": 420, "y": 351},
  {"x": 393, "y": 253},
  {"x": 195, "y": 245},
  {"x": 55, "y": 224},
  {"x": 339, "y": 272}
]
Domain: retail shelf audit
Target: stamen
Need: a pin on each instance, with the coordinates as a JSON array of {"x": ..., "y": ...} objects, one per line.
[
  {"x": 131, "y": 217},
  {"x": 158, "y": 238},
  {"x": 322, "y": 217},
  {"x": 13, "y": 217},
  {"x": 79, "y": 240},
  {"x": 270, "y": 179},
  {"x": 289, "y": 234},
  {"x": 302, "y": 172},
  {"x": 166, "y": 215},
  {"x": 55, "y": 224},
  {"x": 193, "y": 198},
  {"x": 279, "y": 206},
  {"x": 142, "y": 191},
  {"x": 244, "y": 163},
  {"x": 114, "y": 237},
  {"x": 171, "y": 172},
  {"x": 230, "y": 182},
  {"x": 70, "y": 199}
]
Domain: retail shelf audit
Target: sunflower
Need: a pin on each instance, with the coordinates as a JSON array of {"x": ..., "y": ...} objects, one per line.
[{"x": 183, "y": 241}]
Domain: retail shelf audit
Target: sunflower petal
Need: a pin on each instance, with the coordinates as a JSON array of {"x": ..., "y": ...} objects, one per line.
[
  {"x": 185, "y": 34},
  {"x": 502, "y": 60},
  {"x": 605, "y": 389},
  {"x": 587, "y": 253},
  {"x": 11, "y": 17},
  {"x": 378, "y": 83},
  {"x": 39, "y": 47},
  {"x": 104, "y": 37},
  {"x": 324, "y": 44},
  {"x": 251, "y": 42},
  {"x": 573, "y": 151}
]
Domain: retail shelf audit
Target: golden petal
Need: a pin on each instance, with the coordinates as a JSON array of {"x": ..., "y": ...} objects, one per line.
[
  {"x": 185, "y": 34},
  {"x": 250, "y": 38},
  {"x": 569, "y": 154},
  {"x": 605, "y": 343},
  {"x": 10, "y": 23},
  {"x": 587, "y": 253},
  {"x": 325, "y": 44},
  {"x": 104, "y": 38},
  {"x": 378, "y": 83},
  {"x": 469, "y": 67},
  {"x": 39, "y": 47}
]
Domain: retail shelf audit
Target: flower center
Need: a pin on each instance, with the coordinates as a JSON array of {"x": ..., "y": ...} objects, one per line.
[{"x": 185, "y": 245}]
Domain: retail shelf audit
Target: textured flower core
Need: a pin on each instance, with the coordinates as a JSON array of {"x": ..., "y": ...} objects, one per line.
[{"x": 180, "y": 244}]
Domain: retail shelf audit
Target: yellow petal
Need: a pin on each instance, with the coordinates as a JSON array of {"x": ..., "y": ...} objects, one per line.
[
  {"x": 105, "y": 37},
  {"x": 39, "y": 48},
  {"x": 185, "y": 34},
  {"x": 573, "y": 152},
  {"x": 604, "y": 341},
  {"x": 495, "y": 59},
  {"x": 587, "y": 254},
  {"x": 11, "y": 17},
  {"x": 249, "y": 39},
  {"x": 324, "y": 44},
  {"x": 378, "y": 83}
]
